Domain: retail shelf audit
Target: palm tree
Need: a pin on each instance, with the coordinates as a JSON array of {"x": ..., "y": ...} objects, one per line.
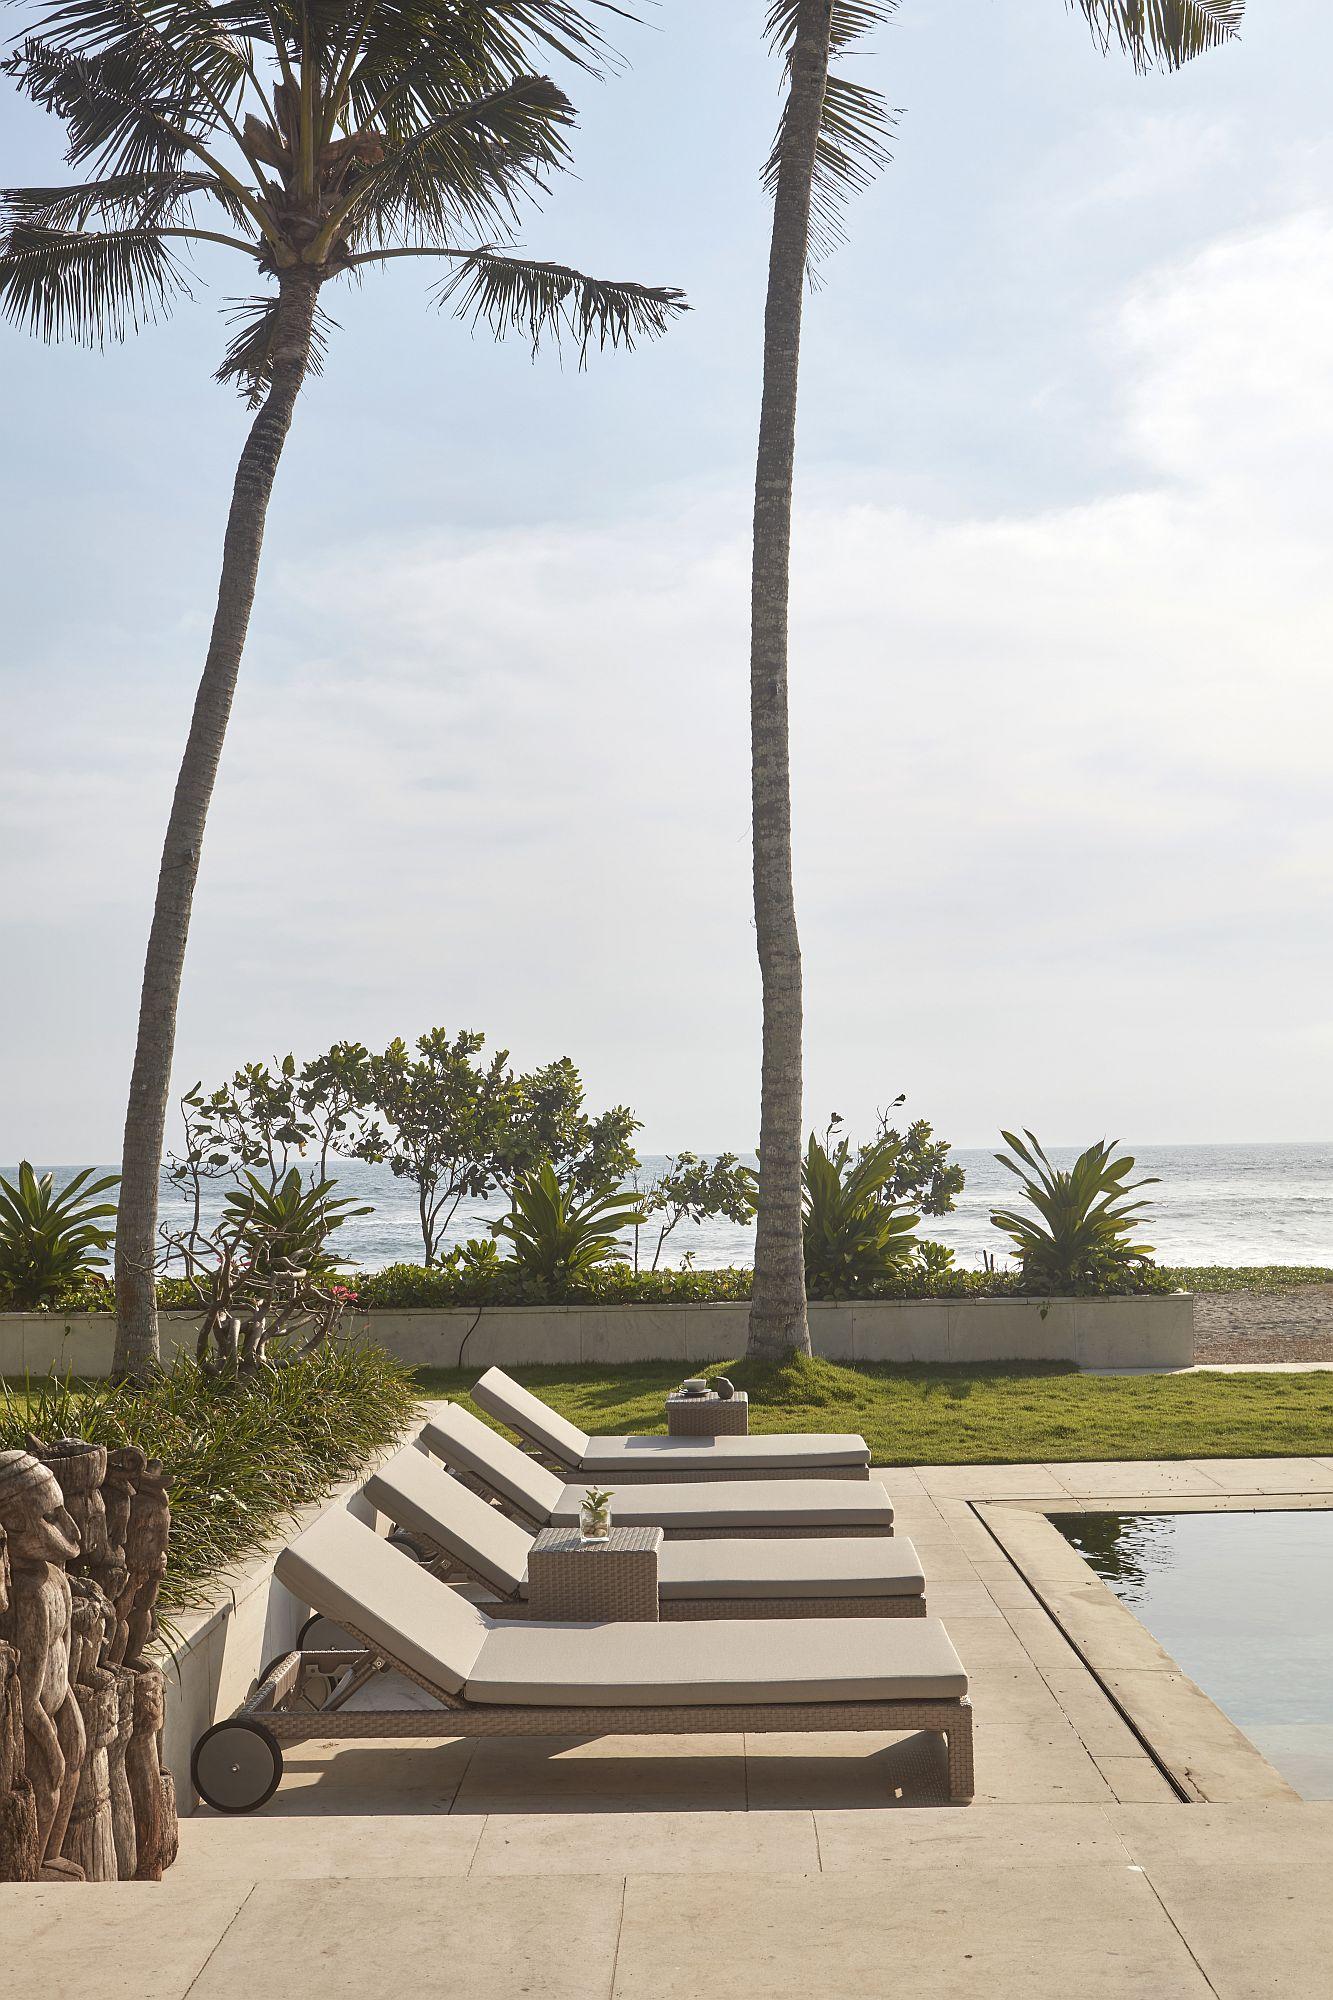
[
  {"x": 832, "y": 140},
  {"x": 314, "y": 138}
]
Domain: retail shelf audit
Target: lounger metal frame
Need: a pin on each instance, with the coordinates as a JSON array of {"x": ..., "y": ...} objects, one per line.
[{"x": 477, "y": 1482}]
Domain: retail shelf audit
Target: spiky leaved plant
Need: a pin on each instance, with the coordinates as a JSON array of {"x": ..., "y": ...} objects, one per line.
[
  {"x": 832, "y": 140},
  {"x": 314, "y": 139}
]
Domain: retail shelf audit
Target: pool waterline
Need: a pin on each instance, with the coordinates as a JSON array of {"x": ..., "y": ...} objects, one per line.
[{"x": 1243, "y": 1602}]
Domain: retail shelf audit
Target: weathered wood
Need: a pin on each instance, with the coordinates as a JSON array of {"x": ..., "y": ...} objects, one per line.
[
  {"x": 151, "y": 1788},
  {"x": 124, "y": 1469},
  {"x": 90, "y": 1837},
  {"x": 18, "y": 1807},
  {"x": 146, "y": 1538},
  {"x": 122, "y": 1802},
  {"x": 38, "y": 1624}
]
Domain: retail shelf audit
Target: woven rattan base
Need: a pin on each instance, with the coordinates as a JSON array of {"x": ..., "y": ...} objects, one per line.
[{"x": 277, "y": 1704}]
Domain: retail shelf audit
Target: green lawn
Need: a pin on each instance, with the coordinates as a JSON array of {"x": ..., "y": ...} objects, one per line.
[{"x": 960, "y": 1416}]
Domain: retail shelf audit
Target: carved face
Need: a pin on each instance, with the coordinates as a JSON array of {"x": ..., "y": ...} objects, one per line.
[{"x": 35, "y": 1520}]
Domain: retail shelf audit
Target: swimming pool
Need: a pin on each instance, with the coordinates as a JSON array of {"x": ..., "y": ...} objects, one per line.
[{"x": 1243, "y": 1602}]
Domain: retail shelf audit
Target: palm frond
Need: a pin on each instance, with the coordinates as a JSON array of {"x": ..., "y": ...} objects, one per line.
[
  {"x": 521, "y": 295},
  {"x": 112, "y": 109},
  {"x": 1161, "y": 34},
  {"x": 88, "y": 287},
  {"x": 856, "y": 122},
  {"x": 139, "y": 199},
  {"x": 248, "y": 361},
  {"x": 467, "y": 167}
]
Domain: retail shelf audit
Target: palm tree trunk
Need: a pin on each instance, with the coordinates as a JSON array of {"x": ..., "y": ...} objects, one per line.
[
  {"x": 145, "y": 1119},
  {"x": 778, "y": 1320}
]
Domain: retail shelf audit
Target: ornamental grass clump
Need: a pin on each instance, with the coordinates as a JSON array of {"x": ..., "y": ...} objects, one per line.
[{"x": 241, "y": 1454}]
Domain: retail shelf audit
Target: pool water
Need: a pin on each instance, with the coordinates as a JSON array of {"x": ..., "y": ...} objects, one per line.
[{"x": 1244, "y": 1604}]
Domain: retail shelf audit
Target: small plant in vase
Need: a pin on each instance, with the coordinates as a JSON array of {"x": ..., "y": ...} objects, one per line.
[{"x": 595, "y": 1515}]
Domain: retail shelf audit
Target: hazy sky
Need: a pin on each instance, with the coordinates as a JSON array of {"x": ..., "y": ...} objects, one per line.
[{"x": 1063, "y": 611}]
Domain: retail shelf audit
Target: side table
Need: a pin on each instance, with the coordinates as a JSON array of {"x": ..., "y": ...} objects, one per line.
[
  {"x": 708, "y": 1416},
  {"x": 596, "y": 1581}
]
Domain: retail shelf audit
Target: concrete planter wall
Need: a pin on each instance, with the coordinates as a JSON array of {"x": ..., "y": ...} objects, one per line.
[{"x": 1154, "y": 1331}]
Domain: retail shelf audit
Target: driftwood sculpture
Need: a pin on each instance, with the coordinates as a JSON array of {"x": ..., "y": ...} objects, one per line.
[
  {"x": 81, "y": 1614},
  {"x": 18, "y": 1808},
  {"x": 38, "y": 1624}
]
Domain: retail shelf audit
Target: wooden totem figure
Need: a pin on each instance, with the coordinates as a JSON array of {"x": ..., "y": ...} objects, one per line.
[
  {"x": 146, "y": 1538},
  {"x": 151, "y": 1788},
  {"x": 38, "y": 1623},
  {"x": 18, "y": 1807},
  {"x": 125, "y": 1467},
  {"x": 90, "y": 1837}
]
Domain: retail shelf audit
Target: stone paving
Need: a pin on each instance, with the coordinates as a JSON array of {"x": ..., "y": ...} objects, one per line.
[{"x": 554, "y": 1868}]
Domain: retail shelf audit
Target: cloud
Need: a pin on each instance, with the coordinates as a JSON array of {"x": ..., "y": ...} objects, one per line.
[{"x": 1063, "y": 815}]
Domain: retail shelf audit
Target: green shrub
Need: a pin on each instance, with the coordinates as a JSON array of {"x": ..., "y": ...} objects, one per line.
[
  {"x": 557, "y": 1233},
  {"x": 1079, "y": 1239},
  {"x": 241, "y": 1456},
  {"x": 51, "y": 1241},
  {"x": 855, "y": 1232}
]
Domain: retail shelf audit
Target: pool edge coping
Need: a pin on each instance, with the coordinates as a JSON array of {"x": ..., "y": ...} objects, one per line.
[{"x": 1202, "y": 1753}]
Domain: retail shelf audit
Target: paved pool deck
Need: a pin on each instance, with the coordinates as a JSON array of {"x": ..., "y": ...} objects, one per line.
[{"x": 760, "y": 1867}]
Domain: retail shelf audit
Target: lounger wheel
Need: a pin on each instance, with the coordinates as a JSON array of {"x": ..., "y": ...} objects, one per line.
[
  {"x": 321, "y": 1635},
  {"x": 236, "y": 1766},
  {"x": 398, "y": 1538}
]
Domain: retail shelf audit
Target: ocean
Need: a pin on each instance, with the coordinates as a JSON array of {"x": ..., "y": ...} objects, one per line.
[{"x": 1236, "y": 1204}]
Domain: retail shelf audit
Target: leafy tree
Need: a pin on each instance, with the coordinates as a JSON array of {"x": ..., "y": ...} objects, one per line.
[
  {"x": 457, "y": 1127},
  {"x": 691, "y": 1189},
  {"x": 920, "y": 1172},
  {"x": 314, "y": 143},
  {"x": 832, "y": 140}
]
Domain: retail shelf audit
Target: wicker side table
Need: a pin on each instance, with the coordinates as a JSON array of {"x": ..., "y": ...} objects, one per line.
[
  {"x": 708, "y": 1416},
  {"x": 612, "y": 1580}
]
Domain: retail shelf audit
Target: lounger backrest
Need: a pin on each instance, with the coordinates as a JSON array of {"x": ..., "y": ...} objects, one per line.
[
  {"x": 501, "y": 1396},
  {"x": 418, "y": 1494},
  {"x": 466, "y": 1444},
  {"x": 344, "y": 1569}
]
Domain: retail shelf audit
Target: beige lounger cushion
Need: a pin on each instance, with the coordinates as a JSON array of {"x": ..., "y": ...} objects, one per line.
[
  {"x": 466, "y": 1444},
  {"x": 512, "y": 1404},
  {"x": 416, "y": 1493},
  {"x": 836, "y": 1566},
  {"x": 606, "y": 1456},
  {"x": 743, "y": 1503},
  {"x": 501, "y": 1396},
  {"x": 347, "y": 1571},
  {"x": 757, "y": 1660}
]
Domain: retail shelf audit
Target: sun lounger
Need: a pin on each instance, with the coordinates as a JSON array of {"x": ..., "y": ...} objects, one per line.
[
  {"x": 574, "y": 1455},
  {"x": 513, "y": 1678},
  {"x": 831, "y": 1576},
  {"x": 781, "y": 1507}
]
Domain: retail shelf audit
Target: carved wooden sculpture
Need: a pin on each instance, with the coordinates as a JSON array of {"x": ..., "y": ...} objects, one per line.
[
  {"x": 146, "y": 1538},
  {"x": 90, "y": 1837},
  {"x": 151, "y": 1788},
  {"x": 38, "y": 1622},
  {"x": 18, "y": 1807}
]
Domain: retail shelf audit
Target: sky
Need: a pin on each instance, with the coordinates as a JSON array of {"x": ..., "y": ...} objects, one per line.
[{"x": 1062, "y": 615}]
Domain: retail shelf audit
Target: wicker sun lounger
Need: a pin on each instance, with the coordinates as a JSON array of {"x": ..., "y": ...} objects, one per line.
[
  {"x": 832, "y": 1576},
  {"x": 512, "y": 1678},
  {"x": 697, "y": 1508},
  {"x": 575, "y": 1455}
]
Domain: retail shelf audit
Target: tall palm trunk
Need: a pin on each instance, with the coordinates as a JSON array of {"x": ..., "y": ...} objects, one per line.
[
  {"x": 150, "y": 1083},
  {"x": 778, "y": 1320}
]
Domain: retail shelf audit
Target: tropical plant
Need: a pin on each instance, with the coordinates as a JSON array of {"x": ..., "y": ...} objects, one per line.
[
  {"x": 457, "y": 1127},
  {"x": 921, "y": 1173},
  {"x": 557, "y": 1234},
  {"x": 290, "y": 1223},
  {"x": 1079, "y": 1238},
  {"x": 314, "y": 143},
  {"x": 831, "y": 141},
  {"x": 51, "y": 1239},
  {"x": 854, "y": 1230},
  {"x": 691, "y": 1188}
]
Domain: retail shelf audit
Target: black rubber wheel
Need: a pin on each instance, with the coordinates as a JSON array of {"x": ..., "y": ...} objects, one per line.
[
  {"x": 236, "y": 1766},
  {"x": 399, "y": 1538},
  {"x": 320, "y": 1635}
]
